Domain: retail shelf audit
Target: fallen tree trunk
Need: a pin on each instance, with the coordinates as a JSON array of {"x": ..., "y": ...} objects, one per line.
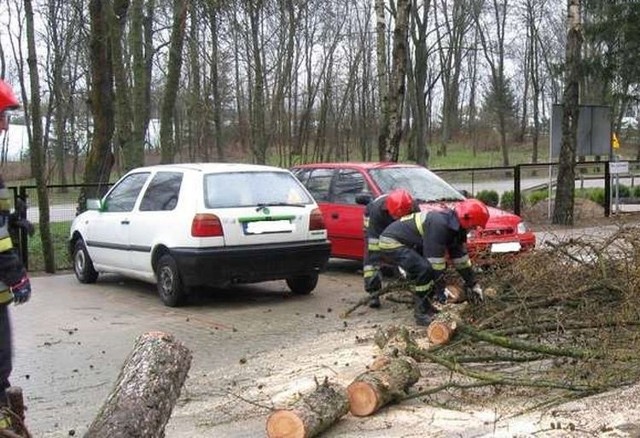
[
  {"x": 310, "y": 414},
  {"x": 146, "y": 391},
  {"x": 385, "y": 382}
]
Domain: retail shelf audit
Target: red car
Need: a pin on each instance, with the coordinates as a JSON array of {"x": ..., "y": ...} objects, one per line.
[{"x": 342, "y": 189}]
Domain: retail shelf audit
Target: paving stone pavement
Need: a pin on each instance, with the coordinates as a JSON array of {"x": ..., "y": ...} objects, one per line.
[{"x": 72, "y": 339}]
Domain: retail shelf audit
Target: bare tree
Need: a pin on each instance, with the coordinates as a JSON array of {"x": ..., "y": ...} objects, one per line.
[
  {"x": 492, "y": 39},
  {"x": 453, "y": 22}
]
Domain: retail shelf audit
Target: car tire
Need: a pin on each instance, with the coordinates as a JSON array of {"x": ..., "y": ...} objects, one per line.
[
  {"x": 303, "y": 284},
  {"x": 170, "y": 287},
  {"x": 82, "y": 264}
]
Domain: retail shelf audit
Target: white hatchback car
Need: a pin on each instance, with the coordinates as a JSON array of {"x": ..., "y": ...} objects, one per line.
[{"x": 186, "y": 225}]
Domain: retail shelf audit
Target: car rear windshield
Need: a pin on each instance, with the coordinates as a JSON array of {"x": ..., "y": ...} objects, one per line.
[
  {"x": 245, "y": 189},
  {"x": 420, "y": 182}
]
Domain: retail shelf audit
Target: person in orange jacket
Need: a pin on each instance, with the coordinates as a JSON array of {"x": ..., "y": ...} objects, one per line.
[{"x": 14, "y": 281}]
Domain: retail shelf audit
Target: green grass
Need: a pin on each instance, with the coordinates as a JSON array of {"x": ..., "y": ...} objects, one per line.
[{"x": 60, "y": 236}]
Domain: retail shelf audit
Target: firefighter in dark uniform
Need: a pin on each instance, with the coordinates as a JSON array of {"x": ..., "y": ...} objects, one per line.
[
  {"x": 14, "y": 282},
  {"x": 378, "y": 214},
  {"x": 420, "y": 242}
]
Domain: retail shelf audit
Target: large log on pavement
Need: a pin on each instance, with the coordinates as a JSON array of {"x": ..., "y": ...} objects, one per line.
[
  {"x": 383, "y": 383},
  {"x": 310, "y": 414},
  {"x": 146, "y": 391}
]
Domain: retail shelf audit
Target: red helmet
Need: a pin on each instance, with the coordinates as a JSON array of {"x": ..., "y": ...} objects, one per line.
[
  {"x": 472, "y": 214},
  {"x": 399, "y": 203},
  {"x": 7, "y": 98}
]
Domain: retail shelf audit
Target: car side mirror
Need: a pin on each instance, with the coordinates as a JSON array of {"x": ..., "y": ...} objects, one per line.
[
  {"x": 464, "y": 193},
  {"x": 363, "y": 199},
  {"x": 94, "y": 204}
]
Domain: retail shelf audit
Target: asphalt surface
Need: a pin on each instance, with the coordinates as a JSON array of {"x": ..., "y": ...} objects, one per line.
[{"x": 71, "y": 340}]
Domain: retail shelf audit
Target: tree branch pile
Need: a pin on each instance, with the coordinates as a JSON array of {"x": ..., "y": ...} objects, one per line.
[{"x": 564, "y": 323}]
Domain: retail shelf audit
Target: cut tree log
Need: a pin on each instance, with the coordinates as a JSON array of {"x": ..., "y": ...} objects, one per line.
[
  {"x": 381, "y": 385},
  {"x": 441, "y": 328},
  {"x": 148, "y": 386},
  {"x": 310, "y": 414}
]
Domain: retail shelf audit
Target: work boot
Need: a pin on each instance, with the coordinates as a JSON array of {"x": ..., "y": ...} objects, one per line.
[
  {"x": 423, "y": 312},
  {"x": 374, "y": 302}
]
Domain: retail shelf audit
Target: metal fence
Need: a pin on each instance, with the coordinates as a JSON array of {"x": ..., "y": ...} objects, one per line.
[
  {"x": 63, "y": 202},
  {"x": 523, "y": 179}
]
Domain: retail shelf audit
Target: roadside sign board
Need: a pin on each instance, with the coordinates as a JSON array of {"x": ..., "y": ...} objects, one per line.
[{"x": 618, "y": 167}]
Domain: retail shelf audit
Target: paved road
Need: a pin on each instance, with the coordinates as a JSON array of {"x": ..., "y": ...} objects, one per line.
[{"x": 71, "y": 339}]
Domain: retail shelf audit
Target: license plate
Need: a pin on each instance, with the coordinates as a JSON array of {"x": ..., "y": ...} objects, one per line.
[
  {"x": 261, "y": 227},
  {"x": 506, "y": 247}
]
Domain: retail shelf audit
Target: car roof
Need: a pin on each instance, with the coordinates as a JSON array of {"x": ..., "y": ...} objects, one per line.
[
  {"x": 212, "y": 167},
  {"x": 357, "y": 165}
]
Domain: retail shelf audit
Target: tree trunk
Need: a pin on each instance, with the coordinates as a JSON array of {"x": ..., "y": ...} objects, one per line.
[
  {"x": 168, "y": 147},
  {"x": 258, "y": 102},
  {"x": 565, "y": 189},
  {"x": 99, "y": 158},
  {"x": 311, "y": 414},
  {"x": 124, "y": 115},
  {"x": 383, "y": 92},
  {"x": 398, "y": 77},
  {"x": 134, "y": 154},
  {"x": 146, "y": 391},
  {"x": 378, "y": 387},
  {"x": 38, "y": 160}
]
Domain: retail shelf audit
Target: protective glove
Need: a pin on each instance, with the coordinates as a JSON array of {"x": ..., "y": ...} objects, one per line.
[
  {"x": 21, "y": 290},
  {"x": 475, "y": 294}
]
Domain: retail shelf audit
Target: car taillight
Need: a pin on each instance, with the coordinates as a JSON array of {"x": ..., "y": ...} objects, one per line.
[
  {"x": 206, "y": 225},
  {"x": 316, "y": 222}
]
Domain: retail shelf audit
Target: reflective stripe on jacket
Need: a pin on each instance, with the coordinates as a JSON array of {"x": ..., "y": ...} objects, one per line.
[{"x": 5, "y": 239}]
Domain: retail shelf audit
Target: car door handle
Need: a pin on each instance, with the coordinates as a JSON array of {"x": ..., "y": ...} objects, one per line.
[
  {"x": 335, "y": 215},
  {"x": 125, "y": 222}
]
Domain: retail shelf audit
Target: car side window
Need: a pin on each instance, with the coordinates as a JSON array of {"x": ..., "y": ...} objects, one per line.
[
  {"x": 123, "y": 196},
  {"x": 162, "y": 192},
  {"x": 318, "y": 184},
  {"x": 347, "y": 185}
]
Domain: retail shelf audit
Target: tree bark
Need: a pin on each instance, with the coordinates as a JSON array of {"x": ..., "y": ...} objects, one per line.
[
  {"x": 311, "y": 414},
  {"x": 383, "y": 90},
  {"x": 168, "y": 147},
  {"x": 38, "y": 159},
  {"x": 565, "y": 189},
  {"x": 441, "y": 328},
  {"x": 134, "y": 154},
  {"x": 99, "y": 158},
  {"x": 398, "y": 78},
  {"x": 378, "y": 387},
  {"x": 124, "y": 114},
  {"x": 146, "y": 391}
]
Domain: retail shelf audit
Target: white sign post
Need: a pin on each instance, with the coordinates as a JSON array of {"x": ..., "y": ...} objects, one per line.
[{"x": 616, "y": 168}]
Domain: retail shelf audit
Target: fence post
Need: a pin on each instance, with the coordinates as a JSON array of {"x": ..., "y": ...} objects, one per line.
[{"x": 516, "y": 189}]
